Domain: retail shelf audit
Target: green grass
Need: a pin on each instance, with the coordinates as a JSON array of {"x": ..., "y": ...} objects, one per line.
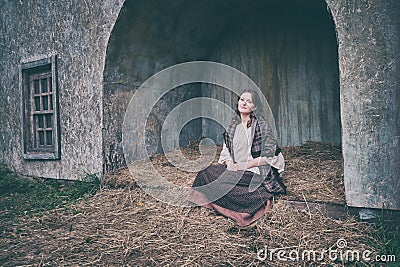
[{"x": 21, "y": 196}]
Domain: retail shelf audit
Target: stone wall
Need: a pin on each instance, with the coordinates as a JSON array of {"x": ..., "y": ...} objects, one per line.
[{"x": 77, "y": 32}]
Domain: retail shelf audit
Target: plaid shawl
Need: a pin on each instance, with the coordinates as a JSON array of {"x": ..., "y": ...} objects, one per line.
[{"x": 263, "y": 145}]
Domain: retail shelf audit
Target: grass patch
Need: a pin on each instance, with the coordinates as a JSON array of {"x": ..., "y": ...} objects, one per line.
[
  {"x": 388, "y": 235},
  {"x": 21, "y": 196}
]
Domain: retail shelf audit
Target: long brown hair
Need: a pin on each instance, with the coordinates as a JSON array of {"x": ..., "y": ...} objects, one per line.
[
  {"x": 255, "y": 97},
  {"x": 256, "y": 101}
]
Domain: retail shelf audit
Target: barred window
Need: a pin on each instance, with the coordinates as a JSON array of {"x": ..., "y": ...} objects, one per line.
[{"x": 39, "y": 108}]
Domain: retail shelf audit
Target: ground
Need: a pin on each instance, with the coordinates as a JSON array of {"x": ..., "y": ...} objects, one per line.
[{"x": 116, "y": 223}]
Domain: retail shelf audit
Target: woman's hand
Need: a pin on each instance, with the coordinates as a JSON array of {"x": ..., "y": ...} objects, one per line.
[
  {"x": 241, "y": 166},
  {"x": 230, "y": 166}
]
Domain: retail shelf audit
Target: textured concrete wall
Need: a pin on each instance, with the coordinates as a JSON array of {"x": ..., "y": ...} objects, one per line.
[
  {"x": 77, "y": 32},
  {"x": 368, "y": 33}
]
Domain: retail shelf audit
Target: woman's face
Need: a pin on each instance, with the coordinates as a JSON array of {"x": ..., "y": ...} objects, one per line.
[{"x": 245, "y": 104}]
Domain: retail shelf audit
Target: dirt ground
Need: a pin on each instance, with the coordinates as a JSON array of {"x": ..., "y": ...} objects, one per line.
[{"x": 122, "y": 225}]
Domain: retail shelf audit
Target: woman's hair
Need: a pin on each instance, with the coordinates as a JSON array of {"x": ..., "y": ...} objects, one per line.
[{"x": 255, "y": 97}]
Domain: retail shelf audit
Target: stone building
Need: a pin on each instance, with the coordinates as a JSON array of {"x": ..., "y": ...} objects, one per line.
[{"x": 329, "y": 68}]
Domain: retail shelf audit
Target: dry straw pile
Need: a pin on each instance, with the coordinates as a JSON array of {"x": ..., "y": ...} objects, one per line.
[{"x": 121, "y": 225}]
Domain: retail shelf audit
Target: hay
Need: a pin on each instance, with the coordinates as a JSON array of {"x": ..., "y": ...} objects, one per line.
[
  {"x": 125, "y": 226},
  {"x": 313, "y": 172}
]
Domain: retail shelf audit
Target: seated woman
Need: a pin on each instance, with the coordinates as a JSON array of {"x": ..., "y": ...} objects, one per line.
[{"x": 249, "y": 158}]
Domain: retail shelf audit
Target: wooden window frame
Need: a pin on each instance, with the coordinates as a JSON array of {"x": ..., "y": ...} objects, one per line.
[{"x": 40, "y": 131}]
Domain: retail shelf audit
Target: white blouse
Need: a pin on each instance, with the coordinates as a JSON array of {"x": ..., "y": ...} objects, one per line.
[{"x": 242, "y": 141}]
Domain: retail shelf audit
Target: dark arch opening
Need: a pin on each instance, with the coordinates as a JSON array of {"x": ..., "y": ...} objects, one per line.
[{"x": 288, "y": 48}]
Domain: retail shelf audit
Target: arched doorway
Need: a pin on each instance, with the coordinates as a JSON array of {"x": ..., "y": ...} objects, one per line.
[{"x": 287, "y": 47}]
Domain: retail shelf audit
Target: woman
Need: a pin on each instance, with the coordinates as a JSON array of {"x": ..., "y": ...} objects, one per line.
[{"x": 243, "y": 183}]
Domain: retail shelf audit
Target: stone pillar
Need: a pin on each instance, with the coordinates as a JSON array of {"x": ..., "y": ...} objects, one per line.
[{"x": 368, "y": 36}]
